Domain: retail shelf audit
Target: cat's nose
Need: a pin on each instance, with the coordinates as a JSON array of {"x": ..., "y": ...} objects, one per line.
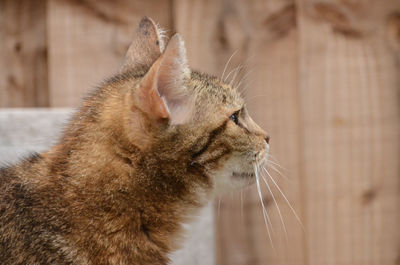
[{"x": 267, "y": 139}]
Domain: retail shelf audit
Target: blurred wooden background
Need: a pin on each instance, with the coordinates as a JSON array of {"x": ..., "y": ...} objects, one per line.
[{"x": 324, "y": 81}]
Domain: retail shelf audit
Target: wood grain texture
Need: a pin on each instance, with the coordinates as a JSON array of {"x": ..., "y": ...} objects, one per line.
[
  {"x": 326, "y": 87},
  {"x": 349, "y": 106},
  {"x": 88, "y": 40},
  {"x": 263, "y": 36},
  {"x": 324, "y": 82},
  {"x": 23, "y": 53}
]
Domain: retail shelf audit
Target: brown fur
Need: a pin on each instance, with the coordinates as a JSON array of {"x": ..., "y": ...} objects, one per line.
[{"x": 123, "y": 178}]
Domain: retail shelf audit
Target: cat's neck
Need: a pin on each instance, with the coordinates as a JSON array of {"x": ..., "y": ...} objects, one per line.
[{"x": 119, "y": 190}]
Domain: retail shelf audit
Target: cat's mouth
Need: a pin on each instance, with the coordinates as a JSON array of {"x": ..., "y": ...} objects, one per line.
[{"x": 244, "y": 175}]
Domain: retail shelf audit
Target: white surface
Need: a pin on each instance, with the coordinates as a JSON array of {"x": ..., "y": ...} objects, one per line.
[{"x": 26, "y": 130}]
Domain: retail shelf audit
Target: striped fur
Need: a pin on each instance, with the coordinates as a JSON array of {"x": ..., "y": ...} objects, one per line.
[{"x": 119, "y": 184}]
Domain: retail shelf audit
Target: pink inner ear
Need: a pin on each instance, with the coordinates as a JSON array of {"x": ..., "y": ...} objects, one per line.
[
  {"x": 148, "y": 98},
  {"x": 164, "y": 85},
  {"x": 158, "y": 105},
  {"x": 171, "y": 81}
]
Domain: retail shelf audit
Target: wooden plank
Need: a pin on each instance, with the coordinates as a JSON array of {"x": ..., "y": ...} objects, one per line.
[
  {"x": 263, "y": 36},
  {"x": 350, "y": 117},
  {"x": 332, "y": 108},
  {"x": 88, "y": 40},
  {"x": 274, "y": 102},
  {"x": 23, "y": 53}
]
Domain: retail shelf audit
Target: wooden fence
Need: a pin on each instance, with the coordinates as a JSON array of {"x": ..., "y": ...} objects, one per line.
[{"x": 323, "y": 80}]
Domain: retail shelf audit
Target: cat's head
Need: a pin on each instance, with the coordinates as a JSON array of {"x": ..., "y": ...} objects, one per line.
[{"x": 186, "y": 117}]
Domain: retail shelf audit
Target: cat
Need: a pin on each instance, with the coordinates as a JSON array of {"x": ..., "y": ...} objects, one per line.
[{"x": 144, "y": 152}]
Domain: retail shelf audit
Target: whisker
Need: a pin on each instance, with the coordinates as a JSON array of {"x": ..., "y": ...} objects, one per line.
[
  {"x": 237, "y": 86},
  {"x": 244, "y": 89},
  {"x": 256, "y": 97},
  {"x": 227, "y": 64},
  {"x": 280, "y": 173},
  {"x": 219, "y": 206},
  {"x": 277, "y": 206},
  {"x": 241, "y": 204},
  {"x": 287, "y": 201},
  {"x": 233, "y": 70},
  {"x": 274, "y": 158},
  {"x": 265, "y": 214},
  {"x": 234, "y": 76},
  {"x": 272, "y": 162},
  {"x": 237, "y": 70}
]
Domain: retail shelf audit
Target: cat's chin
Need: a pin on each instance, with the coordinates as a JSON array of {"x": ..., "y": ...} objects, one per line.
[
  {"x": 242, "y": 175},
  {"x": 242, "y": 179},
  {"x": 230, "y": 181}
]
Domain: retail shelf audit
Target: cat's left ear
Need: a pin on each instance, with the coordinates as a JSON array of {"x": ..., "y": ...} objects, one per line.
[
  {"x": 163, "y": 93},
  {"x": 146, "y": 47}
]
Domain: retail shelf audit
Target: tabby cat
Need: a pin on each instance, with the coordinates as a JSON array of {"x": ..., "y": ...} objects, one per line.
[{"x": 143, "y": 153}]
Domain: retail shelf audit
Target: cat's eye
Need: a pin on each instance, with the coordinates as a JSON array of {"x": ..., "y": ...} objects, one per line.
[{"x": 235, "y": 117}]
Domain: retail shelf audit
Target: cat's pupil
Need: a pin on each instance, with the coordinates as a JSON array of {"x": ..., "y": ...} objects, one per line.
[{"x": 235, "y": 118}]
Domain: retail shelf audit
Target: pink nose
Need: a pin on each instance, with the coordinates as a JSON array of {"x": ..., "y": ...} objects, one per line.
[{"x": 267, "y": 139}]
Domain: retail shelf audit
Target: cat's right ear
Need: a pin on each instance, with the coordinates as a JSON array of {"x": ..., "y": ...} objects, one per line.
[{"x": 146, "y": 47}]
